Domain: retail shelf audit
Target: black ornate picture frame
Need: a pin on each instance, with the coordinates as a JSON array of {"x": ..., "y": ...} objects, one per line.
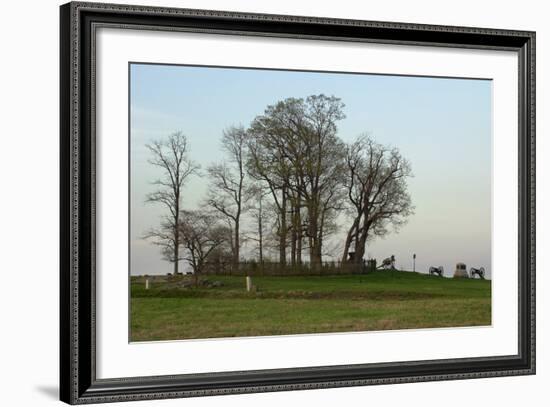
[{"x": 78, "y": 381}]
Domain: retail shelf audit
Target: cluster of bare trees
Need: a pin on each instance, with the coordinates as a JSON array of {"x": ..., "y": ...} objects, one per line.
[{"x": 293, "y": 180}]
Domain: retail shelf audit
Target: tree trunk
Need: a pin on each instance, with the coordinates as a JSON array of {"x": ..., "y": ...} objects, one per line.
[
  {"x": 293, "y": 238},
  {"x": 260, "y": 235},
  {"x": 315, "y": 255},
  {"x": 196, "y": 276},
  {"x": 361, "y": 243},
  {"x": 314, "y": 232},
  {"x": 176, "y": 246},
  {"x": 352, "y": 232},
  {"x": 236, "y": 253},
  {"x": 176, "y": 257},
  {"x": 282, "y": 230},
  {"x": 299, "y": 248}
]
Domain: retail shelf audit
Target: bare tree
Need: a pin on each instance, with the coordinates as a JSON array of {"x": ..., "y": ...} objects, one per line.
[
  {"x": 227, "y": 193},
  {"x": 201, "y": 233},
  {"x": 376, "y": 185},
  {"x": 171, "y": 156}
]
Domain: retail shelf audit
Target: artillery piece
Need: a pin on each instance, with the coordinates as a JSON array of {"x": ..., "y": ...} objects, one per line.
[
  {"x": 480, "y": 272},
  {"x": 388, "y": 263},
  {"x": 436, "y": 270}
]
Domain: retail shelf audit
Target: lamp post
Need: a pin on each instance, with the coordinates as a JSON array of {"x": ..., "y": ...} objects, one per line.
[{"x": 414, "y": 262}]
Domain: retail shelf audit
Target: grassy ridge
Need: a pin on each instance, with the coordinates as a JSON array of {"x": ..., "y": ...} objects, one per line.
[{"x": 292, "y": 305}]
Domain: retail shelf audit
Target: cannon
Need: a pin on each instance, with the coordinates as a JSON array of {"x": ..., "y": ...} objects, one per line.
[
  {"x": 436, "y": 270},
  {"x": 388, "y": 263},
  {"x": 480, "y": 272}
]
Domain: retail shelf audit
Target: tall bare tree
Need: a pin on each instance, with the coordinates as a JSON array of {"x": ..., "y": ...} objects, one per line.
[
  {"x": 227, "y": 194},
  {"x": 376, "y": 184},
  {"x": 170, "y": 155},
  {"x": 201, "y": 233}
]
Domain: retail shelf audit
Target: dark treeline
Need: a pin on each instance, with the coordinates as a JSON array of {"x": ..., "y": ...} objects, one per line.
[{"x": 293, "y": 180}]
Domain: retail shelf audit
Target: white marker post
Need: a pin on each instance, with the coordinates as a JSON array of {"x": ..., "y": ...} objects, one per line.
[
  {"x": 146, "y": 283},
  {"x": 248, "y": 283}
]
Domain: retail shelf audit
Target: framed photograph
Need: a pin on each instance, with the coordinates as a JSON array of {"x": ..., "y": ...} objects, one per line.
[{"x": 255, "y": 203}]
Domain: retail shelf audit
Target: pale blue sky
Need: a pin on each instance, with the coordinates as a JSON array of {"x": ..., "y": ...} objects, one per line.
[{"x": 442, "y": 126}]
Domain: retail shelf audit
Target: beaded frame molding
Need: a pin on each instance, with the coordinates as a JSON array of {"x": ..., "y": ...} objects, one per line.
[{"x": 78, "y": 382}]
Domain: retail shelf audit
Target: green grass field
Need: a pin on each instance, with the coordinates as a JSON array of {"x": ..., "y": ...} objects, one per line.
[{"x": 295, "y": 305}]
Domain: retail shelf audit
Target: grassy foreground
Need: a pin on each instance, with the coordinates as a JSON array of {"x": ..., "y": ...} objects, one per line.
[{"x": 296, "y": 305}]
